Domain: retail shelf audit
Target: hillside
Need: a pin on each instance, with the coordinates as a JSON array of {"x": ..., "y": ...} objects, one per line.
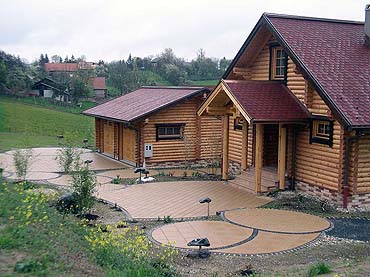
[{"x": 23, "y": 125}]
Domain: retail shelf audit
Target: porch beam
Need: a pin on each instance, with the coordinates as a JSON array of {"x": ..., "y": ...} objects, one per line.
[
  {"x": 258, "y": 157},
  {"x": 282, "y": 156},
  {"x": 225, "y": 148},
  {"x": 220, "y": 110},
  {"x": 244, "y": 144}
]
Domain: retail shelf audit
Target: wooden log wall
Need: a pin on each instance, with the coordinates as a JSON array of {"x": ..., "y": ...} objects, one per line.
[
  {"x": 99, "y": 129},
  {"x": 210, "y": 137},
  {"x": 195, "y": 133},
  {"x": 235, "y": 144},
  {"x": 363, "y": 169}
]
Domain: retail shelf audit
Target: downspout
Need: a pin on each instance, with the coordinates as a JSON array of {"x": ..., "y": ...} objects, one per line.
[
  {"x": 294, "y": 148},
  {"x": 346, "y": 172}
]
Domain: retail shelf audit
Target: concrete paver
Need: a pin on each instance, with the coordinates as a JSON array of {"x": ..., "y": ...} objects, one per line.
[
  {"x": 180, "y": 199},
  {"x": 267, "y": 242},
  {"x": 278, "y": 220},
  {"x": 219, "y": 233}
]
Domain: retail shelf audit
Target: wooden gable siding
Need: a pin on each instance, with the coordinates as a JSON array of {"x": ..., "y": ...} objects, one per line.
[{"x": 194, "y": 134}]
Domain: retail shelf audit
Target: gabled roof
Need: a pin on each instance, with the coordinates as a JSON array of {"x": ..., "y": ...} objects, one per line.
[
  {"x": 98, "y": 83},
  {"x": 62, "y": 67},
  {"x": 332, "y": 55},
  {"x": 143, "y": 102},
  {"x": 262, "y": 101},
  {"x": 48, "y": 83}
]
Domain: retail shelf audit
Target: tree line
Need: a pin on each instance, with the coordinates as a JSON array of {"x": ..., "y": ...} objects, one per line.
[{"x": 122, "y": 75}]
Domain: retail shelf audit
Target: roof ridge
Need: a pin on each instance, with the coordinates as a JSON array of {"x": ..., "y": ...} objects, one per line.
[
  {"x": 321, "y": 19},
  {"x": 172, "y": 87}
]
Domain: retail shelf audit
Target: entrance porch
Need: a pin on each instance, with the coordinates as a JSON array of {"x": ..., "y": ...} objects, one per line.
[{"x": 256, "y": 118}]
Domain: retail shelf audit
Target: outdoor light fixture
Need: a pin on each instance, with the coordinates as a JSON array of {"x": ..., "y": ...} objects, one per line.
[
  {"x": 85, "y": 142},
  {"x": 141, "y": 170},
  {"x": 88, "y": 161},
  {"x": 206, "y": 200}
]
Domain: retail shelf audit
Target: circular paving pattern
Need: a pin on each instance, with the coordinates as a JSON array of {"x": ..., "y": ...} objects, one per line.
[
  {"x": 219, "y": 233},
  {"x": 268, "y": 242},
  {"x": 277, "y": 220}
]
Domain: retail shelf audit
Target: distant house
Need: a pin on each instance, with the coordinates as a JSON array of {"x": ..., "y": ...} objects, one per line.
[
  {"x": 99, "y": 87},
  {"x": 61, "y": 67},
  {"x": 158, "y": 125},
  {"x": 48, "y": 88}
]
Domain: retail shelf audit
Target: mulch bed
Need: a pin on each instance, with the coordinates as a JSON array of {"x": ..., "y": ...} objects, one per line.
[{"x": 351, "y": 228}]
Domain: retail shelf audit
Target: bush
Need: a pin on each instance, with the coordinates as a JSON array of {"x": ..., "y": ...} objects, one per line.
[
  {"x": 22, "y": 159},
  {"x": 68, "y": 158},
  {"x": 28, "y": 266},
  {"x": 83, "y": 186},
  {"x": 318, "y": 269}
]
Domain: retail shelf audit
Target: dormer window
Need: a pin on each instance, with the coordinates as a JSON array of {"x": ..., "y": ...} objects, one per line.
[{"x": 278, "y": 65}]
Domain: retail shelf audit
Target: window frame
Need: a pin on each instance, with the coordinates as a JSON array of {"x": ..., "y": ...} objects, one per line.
[
  {"x": 179, "y": 136},
  {"x": 318, "y": 137},
  {"x": 273, "y": 64}
]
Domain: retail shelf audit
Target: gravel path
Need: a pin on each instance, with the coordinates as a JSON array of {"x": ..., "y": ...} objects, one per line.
[{"x": 351, "y": 228}]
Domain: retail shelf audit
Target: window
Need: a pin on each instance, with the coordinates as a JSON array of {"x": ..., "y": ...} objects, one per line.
[
  {"x": 321, "y": 132},
  {"x": 170, "y": 131},
  {"x": 278, "y": 63}
]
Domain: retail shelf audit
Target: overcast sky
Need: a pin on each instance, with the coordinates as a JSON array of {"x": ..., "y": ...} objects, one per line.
[{"x": 112, "y": 29}]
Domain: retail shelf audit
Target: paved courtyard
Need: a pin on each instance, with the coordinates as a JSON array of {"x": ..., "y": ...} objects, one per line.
[{"x": 245, "y": 228}]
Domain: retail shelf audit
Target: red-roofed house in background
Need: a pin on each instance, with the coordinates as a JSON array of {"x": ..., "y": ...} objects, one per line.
[
  {"x": 295, "y": 104},
  {"x": 99, "y": 87},
  {"x": 158, "y": 125}
]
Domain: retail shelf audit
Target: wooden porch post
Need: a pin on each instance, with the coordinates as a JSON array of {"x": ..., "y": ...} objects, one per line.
[
  {"x": 225, "y": 148},
  {"x": 282, "y": 156},
  {"x": 244, "y": 144},
  {"x": 258, "y": 157}
]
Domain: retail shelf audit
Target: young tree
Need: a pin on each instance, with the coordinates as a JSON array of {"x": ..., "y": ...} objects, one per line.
[
  {"x": 79, "y": 88},
  {"x": 56, "y": 58}
]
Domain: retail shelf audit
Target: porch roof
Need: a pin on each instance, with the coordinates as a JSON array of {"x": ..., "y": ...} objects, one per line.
[{"x": 264, "y": 101}]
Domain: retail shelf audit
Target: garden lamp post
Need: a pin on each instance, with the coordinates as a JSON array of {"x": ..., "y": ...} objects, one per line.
[{"x": 206, "y": 200}]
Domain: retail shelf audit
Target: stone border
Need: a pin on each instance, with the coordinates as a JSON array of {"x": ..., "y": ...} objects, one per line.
[{"x": 223, "y": 216}]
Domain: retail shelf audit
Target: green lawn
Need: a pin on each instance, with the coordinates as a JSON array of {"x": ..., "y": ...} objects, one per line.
[
  {"x": 24, "y": 125},
  {"x": 205, "y": 82},
  {"x": 48, "y": 103}
]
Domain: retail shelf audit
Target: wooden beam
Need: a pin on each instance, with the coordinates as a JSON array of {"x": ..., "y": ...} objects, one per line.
[
  {"x": 225, "y": 148},
  {"x": 244, "y": 145},
  {"x": 258, "y": 157},
  {"x": 282, "y": 156},
  {"x": 220, "y": 110}
]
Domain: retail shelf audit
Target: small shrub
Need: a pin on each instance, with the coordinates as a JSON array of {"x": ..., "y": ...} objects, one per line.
[
  {"x": 83, "y": 186},
  {"x": 167, "y": 219},
  {"x": 185, "y": 174},
  {"x": 318, "y": 269},
  {"x": 196, "y": 174},
  {"x": 161, "y": 173},
  {"x": 22, "y": 159},
  {"x": 117, "y": 180},
  {"x": 28, "y": 266},
  {"x": 68, "y": 158}
]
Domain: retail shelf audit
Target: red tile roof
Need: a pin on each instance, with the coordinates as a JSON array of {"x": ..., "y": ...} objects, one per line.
[
  {"x": 66, "y": 67},
  {"x": 267, "y": 101},
  {"x": 98, "y": 83},
  {"x": 142, "y": 102},
  {"x": 335, "y": 54}
]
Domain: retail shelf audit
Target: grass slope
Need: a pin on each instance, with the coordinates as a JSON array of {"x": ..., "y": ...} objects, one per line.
[{"x": 23, "y": 125}]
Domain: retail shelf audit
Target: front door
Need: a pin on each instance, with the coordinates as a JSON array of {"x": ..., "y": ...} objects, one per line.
[
  {"x": 129, "y": 141},
  {"x": 270, "y": 145},
  {"x": 108, "y": 138}
]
